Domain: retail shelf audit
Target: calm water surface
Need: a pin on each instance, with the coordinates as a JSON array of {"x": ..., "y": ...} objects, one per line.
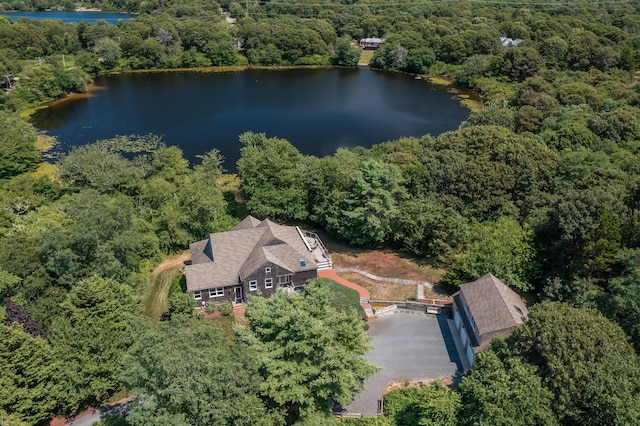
[
  {"x": 318, "y": 111},
  {"x": 92, "y": 17}
]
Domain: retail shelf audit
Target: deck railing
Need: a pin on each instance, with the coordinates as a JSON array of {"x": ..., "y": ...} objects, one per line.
[{"x": 321, "y": 244}]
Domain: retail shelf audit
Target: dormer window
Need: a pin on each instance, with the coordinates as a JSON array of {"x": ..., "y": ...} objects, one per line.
[{"x": 267, "y": 270}]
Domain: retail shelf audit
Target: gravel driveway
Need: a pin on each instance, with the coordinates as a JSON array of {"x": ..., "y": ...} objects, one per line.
[{"x": 407, "y": 345}]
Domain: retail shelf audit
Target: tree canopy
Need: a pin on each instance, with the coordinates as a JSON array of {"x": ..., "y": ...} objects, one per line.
[
  {"x": 585, "y": 360},
  {"x": 309, "y": 354},
  {"x": 190, "y": 373}
]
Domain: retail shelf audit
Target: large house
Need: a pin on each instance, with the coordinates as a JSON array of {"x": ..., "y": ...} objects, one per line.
[
  {"x": 371, "y": 43},
  {"x": 485, "y": 308},
  {"x": 254, "y": 257}
]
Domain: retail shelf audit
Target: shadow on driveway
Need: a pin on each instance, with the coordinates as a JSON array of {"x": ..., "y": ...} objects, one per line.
[{"x": 407, "y": 345}]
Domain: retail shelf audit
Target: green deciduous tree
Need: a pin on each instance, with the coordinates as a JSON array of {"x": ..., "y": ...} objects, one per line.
[
  {"x": 427, "y": 228},
  {"x": 369, "y": 208},
  {"x": 487, "y": 169},
  {"x": 503, "y": 248},
  {"x": 269, "y": 170},
  {"x": 345, "y": 55},
  {"x": 109, "y": 50},
  {"x": 504, "y": 392},
  {"x": 622, "y": 303},
  {"x": 428, "y": 405},
  {"x": 102, "y": 236},
  {"x": 585, "y": 360},
  {"x": 310, "y": 355},
  {"x": 17, "y": 146},
  {"x": 186, "y": 373},
  {"x": 99, "y": 167}
]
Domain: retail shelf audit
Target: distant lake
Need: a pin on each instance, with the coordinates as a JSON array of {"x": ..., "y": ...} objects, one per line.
[
  {"x": 318, "y": 111},
  {"x": 92, "y": 17}
]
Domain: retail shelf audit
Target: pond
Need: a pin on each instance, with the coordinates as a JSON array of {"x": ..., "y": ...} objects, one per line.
[
  {"x": 317, "y": 111},
  {"x": 66, "y": 17}
]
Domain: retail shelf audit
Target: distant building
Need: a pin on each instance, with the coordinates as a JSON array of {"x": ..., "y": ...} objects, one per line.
[
  {"x": 371, "y": 43},
  {"x": 510, "y": 42},
  {"x": 485, "y": 308},
  {"x": 255, "y": 256}
]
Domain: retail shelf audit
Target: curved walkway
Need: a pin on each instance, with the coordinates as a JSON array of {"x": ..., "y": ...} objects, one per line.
[
  {"x": 331, "y": 274},
  {"x": 390, "y": 280}
]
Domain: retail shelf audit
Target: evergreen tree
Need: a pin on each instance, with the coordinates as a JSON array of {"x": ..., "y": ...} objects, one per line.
[{"x": 29, "y": 375}]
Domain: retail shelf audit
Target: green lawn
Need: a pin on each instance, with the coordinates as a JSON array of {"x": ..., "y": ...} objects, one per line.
[
  {"x": 343, "y": 297},
  {"x": 154, "y": 300}
]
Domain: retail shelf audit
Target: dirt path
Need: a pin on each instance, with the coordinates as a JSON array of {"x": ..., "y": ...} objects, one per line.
[
  {"x": 154, "y": 299},
  {"x": 173, "y": 262}
]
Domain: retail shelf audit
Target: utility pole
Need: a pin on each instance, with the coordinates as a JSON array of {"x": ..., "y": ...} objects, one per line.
[
  {"x": 8, "y": 77},
  {"x": 246, "y": 13},
  {"x": 64, "y": 63}
]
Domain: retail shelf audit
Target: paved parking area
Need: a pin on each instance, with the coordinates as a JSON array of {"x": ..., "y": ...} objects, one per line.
[{"x": 407, "y": 345}]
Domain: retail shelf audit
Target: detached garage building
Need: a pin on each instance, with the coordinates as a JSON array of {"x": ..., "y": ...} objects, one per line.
[{"x": 485, "y": 308}]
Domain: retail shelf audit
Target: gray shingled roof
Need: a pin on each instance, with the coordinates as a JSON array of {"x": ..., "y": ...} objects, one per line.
[
  {"x": 493, "y": 305},
  {"x": 237, "y": 253},
  {"x": 201, "y": 251},
  {"x": 247, "y": 223}
]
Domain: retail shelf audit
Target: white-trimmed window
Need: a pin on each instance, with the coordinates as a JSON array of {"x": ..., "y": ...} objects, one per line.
[
  {"x": 284, "y": 279},
  {"x": 268, "y": 282},
  {"x": 253, "y": 285},
  {"x": 267, "y": 270},
  {"x": 197, "y": 294},
  {"x": 216, "y": 292}
]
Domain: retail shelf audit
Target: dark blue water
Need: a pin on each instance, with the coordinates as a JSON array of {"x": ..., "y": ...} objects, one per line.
[
  {"x": 318, "y": 111},
  {"x": 92, "y": 17}
]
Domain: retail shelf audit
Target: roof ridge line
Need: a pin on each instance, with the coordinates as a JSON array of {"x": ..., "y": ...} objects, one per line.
[{"x": 504, "y": 302}]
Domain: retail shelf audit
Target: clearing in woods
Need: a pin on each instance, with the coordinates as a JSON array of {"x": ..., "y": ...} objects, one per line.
[
  {"x": 155, "y": 297},
  {"x": 384, "y": 263}
]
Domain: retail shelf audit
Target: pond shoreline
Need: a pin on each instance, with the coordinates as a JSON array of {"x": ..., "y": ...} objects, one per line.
[
  {"x": 467, "y": 97},
  {"x": 376, "y": 102}
]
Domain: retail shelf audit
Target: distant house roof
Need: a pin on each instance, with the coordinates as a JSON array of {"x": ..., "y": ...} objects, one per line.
[
  {"x": 510, "y": 42},
  {"x": 494, "y": 307},
  {"x": 227, "y": 258},
  {"x": 371, "y": 42}
]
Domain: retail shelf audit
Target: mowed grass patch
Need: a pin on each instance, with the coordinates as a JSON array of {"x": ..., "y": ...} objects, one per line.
[
  {"x": 365, "y": 57},
  {"x": 343, "y": 298},
  {"x": 154, "y": 300}
]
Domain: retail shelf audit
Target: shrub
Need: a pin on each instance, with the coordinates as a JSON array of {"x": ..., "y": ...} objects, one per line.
[{"x": 225, "y": 308}]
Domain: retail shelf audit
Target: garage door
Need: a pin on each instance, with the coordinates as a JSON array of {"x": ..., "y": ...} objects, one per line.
[{"x": 470, "y": 355}]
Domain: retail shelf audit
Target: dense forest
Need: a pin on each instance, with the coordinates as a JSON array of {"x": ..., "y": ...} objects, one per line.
[{"x": 541, "y": 187}]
